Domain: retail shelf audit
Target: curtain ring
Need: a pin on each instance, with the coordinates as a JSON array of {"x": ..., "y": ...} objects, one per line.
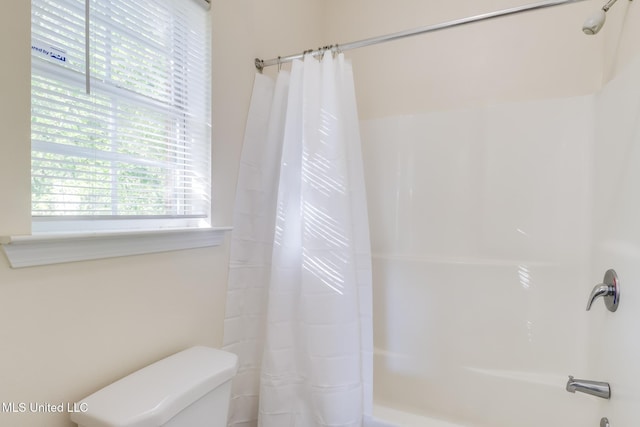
[{"x": 279, "y": 64}]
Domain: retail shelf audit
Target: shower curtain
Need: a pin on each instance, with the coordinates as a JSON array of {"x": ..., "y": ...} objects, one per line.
[{"x": 299, "y": 312}]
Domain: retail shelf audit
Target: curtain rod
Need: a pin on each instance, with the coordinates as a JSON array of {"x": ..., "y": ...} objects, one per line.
[{"x": 260, "y": 64}]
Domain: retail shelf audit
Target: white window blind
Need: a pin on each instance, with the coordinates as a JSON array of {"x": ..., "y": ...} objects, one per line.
[{"x": 126, "y": 135}]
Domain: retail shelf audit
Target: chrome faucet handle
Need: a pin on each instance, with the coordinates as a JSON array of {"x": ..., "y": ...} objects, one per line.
[{"x": 609, "y": 290}]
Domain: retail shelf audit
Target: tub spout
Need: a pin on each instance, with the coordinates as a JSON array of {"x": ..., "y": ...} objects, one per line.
[{"x": 594, "y": 388}]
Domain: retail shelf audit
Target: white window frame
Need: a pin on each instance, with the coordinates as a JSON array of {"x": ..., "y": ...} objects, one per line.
[
  {"x": 55, "y": 248},
  {"x": 65, "y": 239}
]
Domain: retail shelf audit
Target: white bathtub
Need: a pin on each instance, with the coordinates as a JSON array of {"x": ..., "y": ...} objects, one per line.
[
  {"x": 502, "y": 399},
  {"x": 388, "y": 417}
]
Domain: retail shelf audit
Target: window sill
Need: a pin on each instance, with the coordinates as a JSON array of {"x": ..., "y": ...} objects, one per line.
[{"x": 56, "y": 248}]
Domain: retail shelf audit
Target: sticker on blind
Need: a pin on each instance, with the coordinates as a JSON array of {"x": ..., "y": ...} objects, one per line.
[{"x": 46, "y": 50}]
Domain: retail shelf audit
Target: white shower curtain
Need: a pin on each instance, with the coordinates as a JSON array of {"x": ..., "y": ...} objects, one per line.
[{"x": 299, "y": 312}]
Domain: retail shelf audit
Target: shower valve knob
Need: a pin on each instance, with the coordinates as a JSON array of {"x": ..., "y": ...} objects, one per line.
[{"x": 609, "y": 290}]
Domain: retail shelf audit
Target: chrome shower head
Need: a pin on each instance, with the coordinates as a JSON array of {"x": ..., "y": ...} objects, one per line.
[{"x": 595, "y": 22}]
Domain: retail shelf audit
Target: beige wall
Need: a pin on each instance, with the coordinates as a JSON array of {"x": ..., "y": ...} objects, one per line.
[
  {"x": 70, "y": 329},
  {"x": 536, "y": 55},
  {"x": 15, "y": 158}
]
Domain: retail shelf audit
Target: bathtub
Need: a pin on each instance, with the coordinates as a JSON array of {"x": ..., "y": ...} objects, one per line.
[
  {"x": 503, "y": 399},
  {"x": 384, "y": 416},
  {"x": 462, "y": 357}
]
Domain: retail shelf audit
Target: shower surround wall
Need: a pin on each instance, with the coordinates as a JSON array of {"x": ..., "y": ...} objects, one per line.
[
  {"x": 481, "y": 239},
  {"x": 490, "y": 226},
  {"x": 615, "y": 349}
]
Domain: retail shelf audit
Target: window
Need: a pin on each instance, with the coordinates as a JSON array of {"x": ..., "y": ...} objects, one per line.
[{"x": 121, "y": 129}]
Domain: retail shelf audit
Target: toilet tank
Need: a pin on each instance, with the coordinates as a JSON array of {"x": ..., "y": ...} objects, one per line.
[{"x": 188, "y": 389}]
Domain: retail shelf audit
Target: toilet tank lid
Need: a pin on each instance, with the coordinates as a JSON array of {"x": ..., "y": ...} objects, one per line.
[{"x": 156, "y": 393}]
